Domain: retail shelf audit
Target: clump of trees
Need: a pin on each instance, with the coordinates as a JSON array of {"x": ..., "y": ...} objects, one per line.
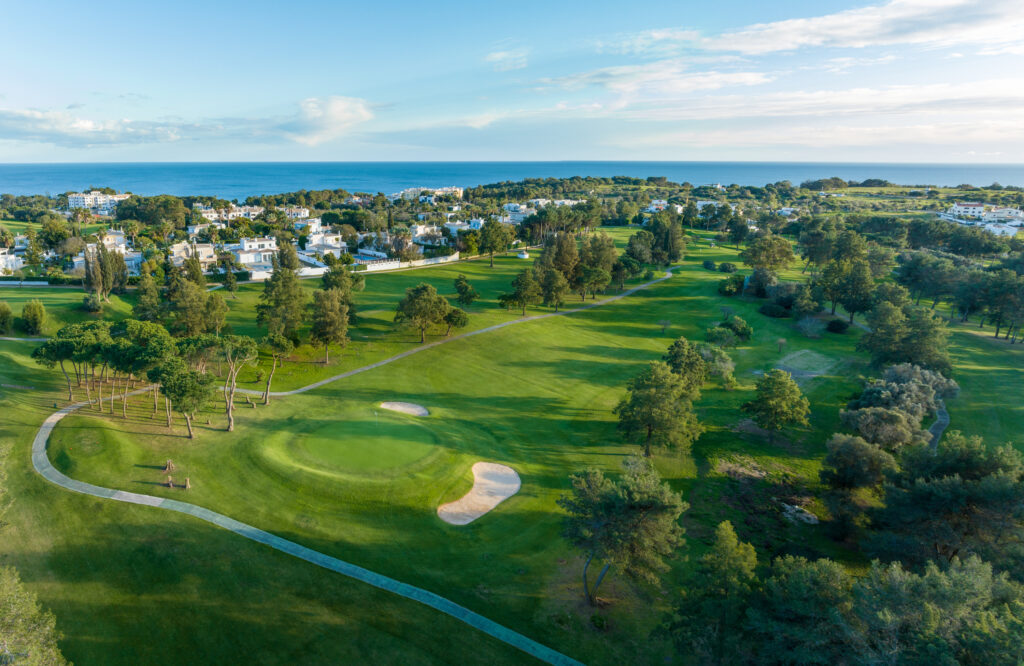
[{"x": 778, "y": 403}]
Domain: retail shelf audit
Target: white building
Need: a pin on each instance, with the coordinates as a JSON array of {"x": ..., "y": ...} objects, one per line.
[
  {"x": 196, "y": 229},
  {"x": 206, "y": 253},
  {"x": 967, "y": 209},
  {"x": 1002, "y": 229},
  {"x": 255, "y": 253},
  {"x": 9, "y": 262},
  {"x": 95, "y": 201},
  {"x": 313, "y": 224},
  {"x": 1008, "y": 215},
  {"x": 295, "y": 212}
]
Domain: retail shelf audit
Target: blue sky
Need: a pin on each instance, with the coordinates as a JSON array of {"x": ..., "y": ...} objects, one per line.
[{"x": 897, "y": 80}]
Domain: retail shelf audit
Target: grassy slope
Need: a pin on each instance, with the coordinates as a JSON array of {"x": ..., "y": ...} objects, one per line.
[
  {"x": 63, "y": 306},
  {"x": 537, "y": 396}
]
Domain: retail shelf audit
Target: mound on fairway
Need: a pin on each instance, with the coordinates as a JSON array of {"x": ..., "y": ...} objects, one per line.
[
  {"x": 492, "y": 484},
  {"x": 410, "y": 408}
]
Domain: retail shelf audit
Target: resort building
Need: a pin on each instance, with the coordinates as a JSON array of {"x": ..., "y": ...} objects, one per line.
[{"x": 95, "y": 201}]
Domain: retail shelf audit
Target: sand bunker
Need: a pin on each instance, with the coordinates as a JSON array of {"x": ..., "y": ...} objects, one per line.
[
  {"x": 492, "y": 483},
  {"x": 406, "y": 408}
]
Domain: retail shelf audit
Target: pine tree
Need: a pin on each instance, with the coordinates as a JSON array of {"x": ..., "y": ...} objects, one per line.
[{"x": 329, "y": 321}]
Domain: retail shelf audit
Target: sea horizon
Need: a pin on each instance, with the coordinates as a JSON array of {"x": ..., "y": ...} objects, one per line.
[{"x": 240, "y": 179}]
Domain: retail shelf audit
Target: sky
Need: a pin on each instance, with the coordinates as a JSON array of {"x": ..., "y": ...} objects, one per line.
[{"x": 874, "y": 81}]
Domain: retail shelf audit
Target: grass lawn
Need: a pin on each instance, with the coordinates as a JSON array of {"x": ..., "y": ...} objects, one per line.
[
  {"x": 333, "y": 471},
  {"x": 63, "y": 306}
]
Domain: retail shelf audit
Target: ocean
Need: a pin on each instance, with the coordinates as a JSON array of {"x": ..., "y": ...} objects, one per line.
[{"x": 238, "y": 180}]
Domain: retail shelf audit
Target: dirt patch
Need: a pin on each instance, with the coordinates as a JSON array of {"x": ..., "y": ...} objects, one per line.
[
  {"x": 410, "y": 408},
  {"x": 492, "y": 484},
  {"x": 806, "y": 364},
  {"x": 741, "y": 468}
]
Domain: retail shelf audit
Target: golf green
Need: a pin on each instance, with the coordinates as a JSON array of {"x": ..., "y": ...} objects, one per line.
[{"x": 376, "y": 442}]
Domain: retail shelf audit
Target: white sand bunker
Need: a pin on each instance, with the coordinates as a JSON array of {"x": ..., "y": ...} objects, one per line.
[
  {"x": 406, "y": 408},
  {"x": 492, "y": 484}
]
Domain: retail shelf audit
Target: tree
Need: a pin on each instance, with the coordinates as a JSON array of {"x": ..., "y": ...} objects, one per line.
[
  {"x": 768, "y": 252},
  {"x": 282, "y": 306},
  {"x": 33, "y": 316},
  {"x": 525, "y": 290},
  {"x": 215, "y": 313},
  {"x": 656, "y": 410},
  {"x": 798, "y": 618},
  {"x": 830, "y": 282},
  {"x": 738, "y": 230},
  {"x": 598, "y": 251},
  {"x": 330, "y": 320},
  {"x": 631, "y": 523},
  {"x": 186, "y": 390},
  {"x": 279, "y": 347},
  {"x": 594, "y": 280},
  {"x": 853, "y": 463},
  {"x": 858, "y": 288},
  {"x": 778, "y": 403},
  {"x": 638, "y": 248},
  {"x": 6, "y": 317},
  {"x": 231, "y": 282},
  {"x": 907, "y": 335},
  {"x": 346, "y": 283},
  {"x": 686, "y": 361},
  {"x": 708, "y": 620},
  {"x": 236, "y": 351},
  {"x": 421, "y": 308},
  {"x": 188, "y": 305},
  {"x": 28, "y": 634},
  {"x": 554, "y": 288},
  {"x": 961, "y": 498},
  {"x": 466, "y": 293},
  {"x": 455, "y": 318},
  {"x": 54, "y": 351},
  {"x": 890, "y": 429},
  {"x": 495, "y": 237},
  {"x": 148, "y": 306}
]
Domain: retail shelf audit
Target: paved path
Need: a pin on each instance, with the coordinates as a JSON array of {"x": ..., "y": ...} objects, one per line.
[
  {"x": 940, "y": 425},
  {"x": 444, "y": 341},
  {"x": 10, "y": 339},
  {"x": 45, "y": 468}
]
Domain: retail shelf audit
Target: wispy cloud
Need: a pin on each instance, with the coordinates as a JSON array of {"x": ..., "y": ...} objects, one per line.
[
  {"x": 317, "y": 121},
  {"x": 931, "y": 23},
  {"x": 659, "y": 80},
  {"x": 508, "y": 59}
]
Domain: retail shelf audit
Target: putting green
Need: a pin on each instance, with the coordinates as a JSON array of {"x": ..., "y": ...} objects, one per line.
[{"x": 370, "y": 444}]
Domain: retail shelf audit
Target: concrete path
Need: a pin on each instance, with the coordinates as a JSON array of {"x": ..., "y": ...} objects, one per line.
[
  {"x": 940, "y": 425},
  {"x": 10, "y": 339},
  {"x": 444, "y": 341}
]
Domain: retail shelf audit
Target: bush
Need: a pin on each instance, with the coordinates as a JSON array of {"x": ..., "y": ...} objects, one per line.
[
  {"x": 600, "y": 622},
  {"x": 784, "y": 294},
  {"x": 708, "y": 264},
  {"x": 6, "y": 317},
  {"x": 720, "y": 337},
  {"x": 731, "y": 285},
  {"x": 773, "y": 310},
  {"x": 838, "y": 326},
  {"x": 761, "y": 281},
  {"x": 811, "y": 327},
  {"x": 742, "y": 329},
  {"x": 33, "y": 316},
  {"x": 727, "y": 267},
  {"x": 649, "y": 275},
  {"x": 92, "y": 303},
  {"x": 240, "y": 276}
]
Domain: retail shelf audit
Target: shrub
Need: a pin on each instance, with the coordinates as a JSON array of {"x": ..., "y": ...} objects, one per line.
[
  {"x": 720, "y": 337},
  {"x": 784, "y": 294},
  {"x": 838, "y": 326},
  {"x": 761, "y": 281},
  {"x": 6, "y": 317},
  {"x": 731, "y": 285},
  {"x": 727, "y": 267},
  {"x": 600, "y": 622},
  {"x": 92, "y": 303},
  {"x": 33, "y": 316},
  {"x": 742, "y": 329},
  {"x": 811, "y": 327},
  {"x": 708, "y": 264},
  {"x": 773, "y": 310},
  {"x": 649, "y": 275}
]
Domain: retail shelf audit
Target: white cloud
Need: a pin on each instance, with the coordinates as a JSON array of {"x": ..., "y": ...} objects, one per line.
[
  {"x": 317, "y": 121},
  {"x": 992, "y": 97},
  {"x": 930, "y": 23},
  {"x": 324, "y": 119},
  {"x": 659, "y": 80},
  {"x": 507, "y": 60}
]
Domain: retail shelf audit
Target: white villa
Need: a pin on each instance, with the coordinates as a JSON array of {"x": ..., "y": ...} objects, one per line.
[
  {"x": 9, "y": 262},
  {"x": 196, "y": 229},
  {"x": 968, "y": 209},
  {"x": 312, "y": 223},
  {"x": 206, "y": 253},
  {"x": 95, "y": 201},
  {"x": 1000, "y": 221},
  {"x": 295, "y": 212},
  {"x": 255, "y": 253}
]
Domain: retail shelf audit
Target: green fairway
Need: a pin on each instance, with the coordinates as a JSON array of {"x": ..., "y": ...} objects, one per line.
[
  {"x": 63, "y": 306},
  {"x": 333, "y": 471}
]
